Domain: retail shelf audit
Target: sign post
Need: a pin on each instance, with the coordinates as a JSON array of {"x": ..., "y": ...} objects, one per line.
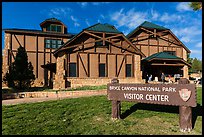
[
  {"x": 116, "y": 107},
  {"x": 182, "y": 95},
  {"x": 185, "y": 112}
]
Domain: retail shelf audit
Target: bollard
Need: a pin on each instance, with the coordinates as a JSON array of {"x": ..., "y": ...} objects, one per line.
[
  {"x": 116, "y": 105},
  {"x": 185, "y": 113}
]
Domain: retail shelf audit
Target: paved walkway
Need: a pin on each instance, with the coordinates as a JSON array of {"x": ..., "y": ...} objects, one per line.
[{"x": 74, "y": 94}]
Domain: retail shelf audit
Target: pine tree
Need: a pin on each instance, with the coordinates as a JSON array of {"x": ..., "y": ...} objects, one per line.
[
  {"x": 20, "y": 74},
  {"x": 196, "y": 5}
]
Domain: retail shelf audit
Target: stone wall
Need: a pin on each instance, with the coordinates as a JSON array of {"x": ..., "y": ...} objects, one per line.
[{"x": 79, "y": 82}]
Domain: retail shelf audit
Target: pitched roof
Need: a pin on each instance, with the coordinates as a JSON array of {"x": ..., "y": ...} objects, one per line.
[
  {"x": 161, "y": 55},
  {"x": 33, "y": 31},
  {"x": 103, "y": 28},
  {"x": 147, "y": 24},
  {"x": 52, "y": 20}
]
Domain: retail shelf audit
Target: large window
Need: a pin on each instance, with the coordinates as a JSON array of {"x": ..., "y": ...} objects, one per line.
[
  {"x": 102, "y": 70},
  {"x": 53, "y": 43},
  {"x": 128, "y": 72},
  {"x": 55, "y": 28},
  {"x": 72, "y": 69}
]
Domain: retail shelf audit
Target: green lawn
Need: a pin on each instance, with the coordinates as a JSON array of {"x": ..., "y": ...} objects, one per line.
[{"x": 92, "y": 115}]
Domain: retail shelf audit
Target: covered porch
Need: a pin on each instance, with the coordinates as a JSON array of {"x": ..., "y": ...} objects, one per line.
[{"x": 171, "y": 65}]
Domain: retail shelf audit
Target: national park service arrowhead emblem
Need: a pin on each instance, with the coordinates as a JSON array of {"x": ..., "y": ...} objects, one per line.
[{"x": 185, "y": 94}]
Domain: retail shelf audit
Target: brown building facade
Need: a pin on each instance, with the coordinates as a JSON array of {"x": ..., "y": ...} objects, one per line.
[
  {"x": 163, "y": 50},
  {"x": 39, "y": 45},
  {"x": 96, "y": 54}
]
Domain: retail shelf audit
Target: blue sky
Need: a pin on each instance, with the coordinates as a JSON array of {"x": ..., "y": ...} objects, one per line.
[{"x": 185, "y": 23}]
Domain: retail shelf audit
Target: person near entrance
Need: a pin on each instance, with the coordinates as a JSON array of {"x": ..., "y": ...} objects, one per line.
[
  {"x": 150, "y": 78},
  {"x": 162, "y": 77}
]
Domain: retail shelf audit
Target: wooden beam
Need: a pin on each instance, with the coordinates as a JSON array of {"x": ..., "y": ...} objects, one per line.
[
  {"x": 103, "y": 38},
  {"x": 133, "y": 73},
  {"x": 93, "y": 34},
  {"x": 88, "y": 59},
  {"x": 158, "y": 64},
  {"x": 106, "y": 65},
  {"x": 17, "y": 40},
  {"x": 159, "y": 35},
  {"x": 83, "y": 65},
  {"x": 155, "y": 31},
  {"x": 24, "y": 41},
  {"x": 77, "y": 55},
  {"x": 159, "y": 45},
  {"x": 148, "y": 48},
  {"x": 36, "y": 56},
  {"x": 68, "y": 61},
  {"x": 116, "y": 65},
  {"x": 136, "y": 38},
  {"x": 81, "y": 44},
  {"x": 121, "y": 65}
]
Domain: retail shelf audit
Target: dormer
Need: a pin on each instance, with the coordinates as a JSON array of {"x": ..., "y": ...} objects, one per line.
[{"x": 53, "y": 25}]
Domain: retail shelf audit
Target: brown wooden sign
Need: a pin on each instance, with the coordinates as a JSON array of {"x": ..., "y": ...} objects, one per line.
[
  {"x": 182, "y": 95},
  {"x": 165, "y": 94}
]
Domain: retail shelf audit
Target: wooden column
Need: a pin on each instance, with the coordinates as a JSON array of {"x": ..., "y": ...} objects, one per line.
[
  {"x": 185, "y": 113},
  {"x": 116, "y": 105}
]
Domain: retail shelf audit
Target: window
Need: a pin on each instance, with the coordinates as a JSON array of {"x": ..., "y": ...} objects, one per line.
[
  {"x": 100, "y": 44},
  {"x": 59, "y": 29},
  {"x": 128, "y": 72},
  {"x": 53, "y": 43},
  {"x": 171, "y": 52},
  {"x": 72, "y": 69},
  {"x": 102, "y": 70},
  {"x": 47, "y": 43},
  {"x": 55, "y": 28},
  {"x": 59, "y": 43}
]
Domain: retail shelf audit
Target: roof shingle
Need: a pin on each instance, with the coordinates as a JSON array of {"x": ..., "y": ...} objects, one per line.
[{"x": 103, "y": 28}]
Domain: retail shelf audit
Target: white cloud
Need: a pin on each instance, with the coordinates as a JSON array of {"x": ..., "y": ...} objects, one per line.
[
  {"x": 130, "y": 19},
  {"x": 196, "y": 51},
  {"x": 75, "y": 20},
  {"x": 183, "y": 6},
  {"x": 62, "y": 12},
  {"x": 187, "y": 34},
  {"x": 85, "y": 4},
  {"x": 198, "y": 45},
  {"x": 87, "y": 22},
  {"x": 102, "y": 16},
  {"x": 154, "y": 14},
  {"x": 170, "y": 17},
  {"x": 82, "y": 4},
  {"x": 99, "y": 3}
]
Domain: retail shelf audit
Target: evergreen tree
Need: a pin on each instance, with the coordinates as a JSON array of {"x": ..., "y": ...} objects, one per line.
[
  {"x": 20, "y": 74},
  {"x": 196, "y": 5}
]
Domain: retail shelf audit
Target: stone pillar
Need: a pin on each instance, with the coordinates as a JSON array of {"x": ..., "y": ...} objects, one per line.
[
  {"x": 185, "y": 72},
  {"x": 59, "y": 82},
  {"x": 137, "y": 68},
  {"x": 5, "y": 55}
]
